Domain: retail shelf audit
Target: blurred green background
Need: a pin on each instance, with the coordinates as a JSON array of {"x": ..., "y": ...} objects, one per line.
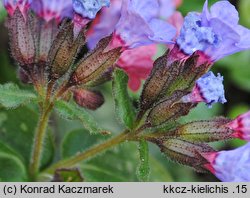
[{"x": 119, "y": 164}]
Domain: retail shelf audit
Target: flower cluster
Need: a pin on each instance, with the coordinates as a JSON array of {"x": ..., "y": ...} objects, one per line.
[{"x": 216, "y": 33}]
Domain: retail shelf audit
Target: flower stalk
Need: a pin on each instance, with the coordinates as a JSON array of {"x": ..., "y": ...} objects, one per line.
[
  {"x": 38, "y": 141},
  {"x": 67, "y": 163}
]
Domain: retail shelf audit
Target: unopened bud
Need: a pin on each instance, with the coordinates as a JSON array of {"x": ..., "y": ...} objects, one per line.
[
  {"x": 22, "y": 43},
  {"x": 64, "y": 50},
  {"x": 95, "y": 63},
  {"x": 186, "y": 153},
  {"x": 205, "y": 131},
  {"x": 88, "y": 99},
  {"x": 168, "y": 110},
  {"x": 47, "y": 31},
  {"x": 161, "y": 76}
]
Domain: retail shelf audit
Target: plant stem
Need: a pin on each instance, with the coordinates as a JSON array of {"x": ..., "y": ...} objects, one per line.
[
  {"x": 67, "y": 163},
  {"x": 38, "y": 142}
]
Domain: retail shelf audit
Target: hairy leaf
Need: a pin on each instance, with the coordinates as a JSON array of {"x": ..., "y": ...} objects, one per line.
[
  {"x": 124, "y": 108},
  {"x": 12, "y": 97},
  {"x": 72, "y": 111}
]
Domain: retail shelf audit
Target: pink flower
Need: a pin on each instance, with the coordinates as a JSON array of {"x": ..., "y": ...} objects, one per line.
[
  {"x": 53, "y": 9},
  {"x": 137, "y": 63},
  {"x": 12, "y": 5},
  {"x": 241, "y": 126}
]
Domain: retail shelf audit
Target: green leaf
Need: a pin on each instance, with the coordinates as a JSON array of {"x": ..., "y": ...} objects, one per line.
[
  {"x": 6, "y": 149},
  {"x": 77, "y": 141},
  {"x": 124, "y": 107},
  {"x": 68, "y": 175},
  {"x": 17, "y": 132},
  {"x": 72, "y": 112},
  {"x": 11, "y": 96},
  {"x": 11, "y": 168},
  {"x": 144, "y": 168}
]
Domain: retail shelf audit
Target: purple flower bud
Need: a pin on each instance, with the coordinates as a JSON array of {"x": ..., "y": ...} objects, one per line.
[
  {"x": 230, "y": 166},
  {"x": 145, "y": 15},
  {"x": 89, "y": 8},
  {"x": 241, "y": 126},
  {"x": 209, "y": 89},
  {"x": 216, "y": 33},
  {"x": 53, "y": 9}
]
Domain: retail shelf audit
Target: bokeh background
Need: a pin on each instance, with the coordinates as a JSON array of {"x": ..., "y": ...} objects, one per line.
[{"x": 120, "y": 163}]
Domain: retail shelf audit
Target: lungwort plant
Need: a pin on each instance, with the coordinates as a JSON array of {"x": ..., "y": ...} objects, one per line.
[{"x": 65, "y": 49}]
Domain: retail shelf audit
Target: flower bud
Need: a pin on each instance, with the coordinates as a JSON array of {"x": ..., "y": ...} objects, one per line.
[
  {"x": 88, "y": 99},
  {"x": 205, "y": 131},
  {"x": 46, "y": 33},
  {"x": 22, "y": 43},
  {"x": 95, "y": 63},
  {"x": 185, "y": 152},
  {"x": 170, "y": 75},
  {"x": 241, "y": 126},
  {"x": 104, "y": 77},
  {"x": 230, "y": 166},
  {"x": 161, "y": 76},
  {"x": 64, "y": 50},
  {"x": 168, "y": 110}
]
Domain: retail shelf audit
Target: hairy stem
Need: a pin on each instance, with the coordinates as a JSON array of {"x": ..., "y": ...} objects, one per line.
[
  {"x": 89, "y": 153},
  {"x": 38, "y": 141}
]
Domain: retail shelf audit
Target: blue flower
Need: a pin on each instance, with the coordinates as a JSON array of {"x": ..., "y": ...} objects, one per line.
[
  {"x": 216, "y": 33},
  {"x": 140, "y": 25},
  {"x": 89, "y": 8},
  {"x": 234, "y": 165},
  {"x": 211, "y": 88}
]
